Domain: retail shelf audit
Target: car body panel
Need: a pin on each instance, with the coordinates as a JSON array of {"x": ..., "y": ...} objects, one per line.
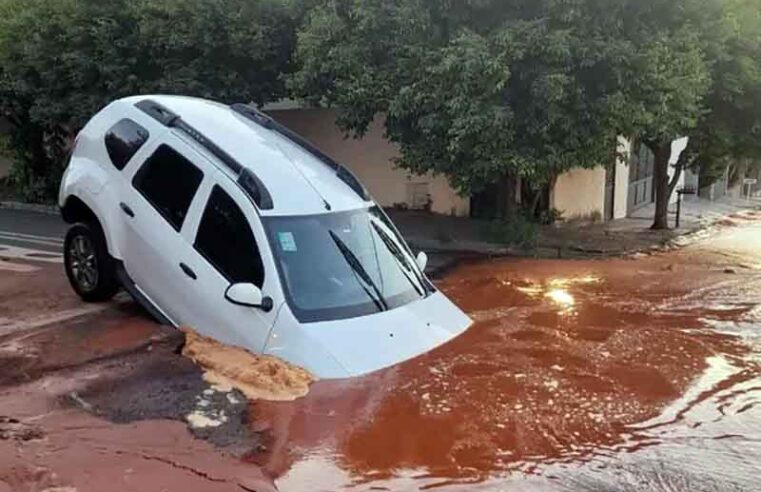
[
  {"x": 80, "y": 183},
  {"x": 281, "y": 164},
  {"x": 369, "y": 343},
  {"x": 205, "y": 308},
  {"x": 152, "y": 249}
]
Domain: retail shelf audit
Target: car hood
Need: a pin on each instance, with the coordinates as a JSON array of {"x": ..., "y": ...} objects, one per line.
[{"x": 356, "y": 346}]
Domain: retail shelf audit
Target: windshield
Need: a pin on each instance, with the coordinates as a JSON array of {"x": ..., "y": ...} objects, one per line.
[{"x": 342, "y": 265}]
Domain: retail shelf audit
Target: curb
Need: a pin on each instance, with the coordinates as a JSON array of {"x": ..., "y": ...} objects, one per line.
[
  {"x": 574, "y": 252},
  {"x": 30, "y": 207}
]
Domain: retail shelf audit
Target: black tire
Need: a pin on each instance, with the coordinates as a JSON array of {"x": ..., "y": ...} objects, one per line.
[{"x": 89, "y": 267}]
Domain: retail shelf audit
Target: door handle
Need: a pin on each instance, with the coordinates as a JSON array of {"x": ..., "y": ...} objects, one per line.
[
  {"x": 188, "y": 271},
  {"x": 125, "y": 208}
]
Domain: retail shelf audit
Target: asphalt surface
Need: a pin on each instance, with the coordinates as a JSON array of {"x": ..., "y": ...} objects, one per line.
[
  {"x": 24, "y": 233},
  {"x": 34, "y": 236}
]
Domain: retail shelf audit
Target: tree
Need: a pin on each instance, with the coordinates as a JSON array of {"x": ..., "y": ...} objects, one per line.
[
  {"x": 478, "y": 91},
  {"x": 662, "y": 79},
  {"x": 62, "y": 60},
  {"x": 695, "y": 74},
  {"x": 730, "y": 131}
]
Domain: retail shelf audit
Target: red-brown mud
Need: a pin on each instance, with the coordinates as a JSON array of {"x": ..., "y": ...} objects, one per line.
[
  {"x": 77, "y": 452},
  {"x": 568, "y": 365},
  {"x": 563, "y": 358},
  {"x": 33, "y": 295},
  {"x": 76, "y": 395},
  {"x": 51, "y": 436},
  {"x": 256, "y": 376}
]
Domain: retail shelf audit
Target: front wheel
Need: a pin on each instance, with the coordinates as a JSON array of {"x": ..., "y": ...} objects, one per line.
[{"x": 89, "y": 267}]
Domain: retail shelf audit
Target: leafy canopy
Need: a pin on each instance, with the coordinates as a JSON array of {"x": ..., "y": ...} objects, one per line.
[
  {"x": 62, "y": 60},
  {"x": 475, "y": 90},
  {"x": 730, "y": 129},
  {"x": 478, "y": 89}
]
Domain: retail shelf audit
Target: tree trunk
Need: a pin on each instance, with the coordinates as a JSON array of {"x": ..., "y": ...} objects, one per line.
[
  {"x": 535, "y": 203},
  {"x": 506, "y": 196},
  {"x": 663, "y": 189}
]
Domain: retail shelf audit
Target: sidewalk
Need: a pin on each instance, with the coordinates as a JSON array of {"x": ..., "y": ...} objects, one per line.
[
  {"x": 633, "y": 234},
  {"x": 446, "y": 236}
]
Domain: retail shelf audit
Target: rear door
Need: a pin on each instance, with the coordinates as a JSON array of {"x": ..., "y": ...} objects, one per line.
[
  {"x": 227, "y": 245},
  {"x": 154, "y": 206}
]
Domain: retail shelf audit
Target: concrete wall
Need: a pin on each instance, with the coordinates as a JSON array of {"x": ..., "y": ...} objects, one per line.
[
  {"x": 580, "y": 193},
  {"x": 691, "y": 178},
  {"x": 370, "y": 158}
]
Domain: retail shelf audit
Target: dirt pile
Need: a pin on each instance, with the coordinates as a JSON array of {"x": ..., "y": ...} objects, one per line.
[{"x": 259, "y": 377}]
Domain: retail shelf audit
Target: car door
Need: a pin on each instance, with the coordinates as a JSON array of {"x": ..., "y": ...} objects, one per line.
[
  {"x": 154, "y": 206},
  {"x": 228, "y": 246}
]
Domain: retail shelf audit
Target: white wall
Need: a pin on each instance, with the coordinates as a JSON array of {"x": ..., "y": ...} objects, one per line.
[
  {"x": 371, "y": 159},
  {"x": 580, "y": 193},
  {"x": 677, "y": 147}
]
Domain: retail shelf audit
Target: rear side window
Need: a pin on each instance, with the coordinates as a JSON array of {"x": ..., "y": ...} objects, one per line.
[
  {"x": 123, "y": 141},
  {"x": 226, "y": 241},
  {"x": 169, "y": 182}
]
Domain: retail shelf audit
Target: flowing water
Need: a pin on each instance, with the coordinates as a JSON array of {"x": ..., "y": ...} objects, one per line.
[{"x": 576, "y": 375}]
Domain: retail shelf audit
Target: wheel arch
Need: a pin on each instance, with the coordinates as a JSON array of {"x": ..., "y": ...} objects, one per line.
[{"x": 79, "y": 209}]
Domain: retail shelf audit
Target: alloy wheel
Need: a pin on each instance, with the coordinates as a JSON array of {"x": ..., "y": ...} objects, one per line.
[{"x": 83, "y": 263}]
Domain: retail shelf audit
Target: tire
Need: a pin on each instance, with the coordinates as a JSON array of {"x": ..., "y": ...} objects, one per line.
[{"x": 90, "y": 269}]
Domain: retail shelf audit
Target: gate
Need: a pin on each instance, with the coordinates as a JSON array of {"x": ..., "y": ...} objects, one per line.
[{"x": 641, "y": 166}]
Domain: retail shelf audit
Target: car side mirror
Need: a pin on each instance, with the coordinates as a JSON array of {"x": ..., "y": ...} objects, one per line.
[
  {"x": 249, "y": 295},
  {"x": 421, "y": 260}
]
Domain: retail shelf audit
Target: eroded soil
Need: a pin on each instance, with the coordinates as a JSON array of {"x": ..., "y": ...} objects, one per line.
[{"x": 106, "y": 401}]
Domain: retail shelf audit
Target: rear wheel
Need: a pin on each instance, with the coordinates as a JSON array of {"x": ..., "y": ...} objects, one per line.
[{"x": 89, "y": 267}]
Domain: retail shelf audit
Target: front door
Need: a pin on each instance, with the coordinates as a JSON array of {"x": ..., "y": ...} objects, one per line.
[
  {"x": 641, "y": 166},
  {"x": 227, "y": 245}
]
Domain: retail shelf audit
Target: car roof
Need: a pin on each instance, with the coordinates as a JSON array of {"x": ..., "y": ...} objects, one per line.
[{"x": 298, "y": 181}]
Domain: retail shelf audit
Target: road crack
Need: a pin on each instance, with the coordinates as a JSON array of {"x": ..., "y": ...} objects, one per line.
[{"x": 199, "y": 473}]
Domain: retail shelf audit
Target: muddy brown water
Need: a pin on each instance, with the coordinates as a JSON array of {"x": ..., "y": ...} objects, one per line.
[{"x": 586, "y": 375}]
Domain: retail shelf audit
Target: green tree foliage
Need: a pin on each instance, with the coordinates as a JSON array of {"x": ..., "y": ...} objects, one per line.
[
  {"x": 62, "y": 60},
  {"x": 704, "y": 84},
  {"x": 479, "y": 91},
  {"x": 730, "y": 131},
  {"x": 664, "y": 79}
]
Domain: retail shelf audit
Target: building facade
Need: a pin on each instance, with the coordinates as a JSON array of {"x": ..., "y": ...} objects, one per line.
[
  {"x": 600, "y": 193},
  {"x": 371, "y": 158}
]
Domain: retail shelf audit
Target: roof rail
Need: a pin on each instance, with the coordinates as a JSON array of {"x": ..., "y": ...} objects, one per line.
[
  {"x": 247, "y": 180},
  {"x": 268, "y": 122}
]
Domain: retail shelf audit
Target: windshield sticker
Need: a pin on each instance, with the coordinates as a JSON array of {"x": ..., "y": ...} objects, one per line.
[{"x": 287, "y": 241}]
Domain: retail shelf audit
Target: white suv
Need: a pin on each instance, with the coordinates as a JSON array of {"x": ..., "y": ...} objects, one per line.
[{"x": 218, "y": 218}]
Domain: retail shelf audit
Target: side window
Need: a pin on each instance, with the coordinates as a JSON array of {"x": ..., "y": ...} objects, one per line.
[
  {"x": 123, "y": 141},
  {"x": 169, "y": 182},
  {"x": 225, "y": 239}
]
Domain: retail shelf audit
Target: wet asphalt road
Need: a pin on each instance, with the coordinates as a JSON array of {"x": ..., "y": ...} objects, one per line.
[
  {"x": 609, "y": 375},
  {"x": 32, "y": 230},
  {"x": 28, "y": 232}
]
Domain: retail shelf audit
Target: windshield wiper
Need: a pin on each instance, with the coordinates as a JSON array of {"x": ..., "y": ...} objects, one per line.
[
  {"x": 360, "y": 271},
  {"x": 401, "y": 262}
]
